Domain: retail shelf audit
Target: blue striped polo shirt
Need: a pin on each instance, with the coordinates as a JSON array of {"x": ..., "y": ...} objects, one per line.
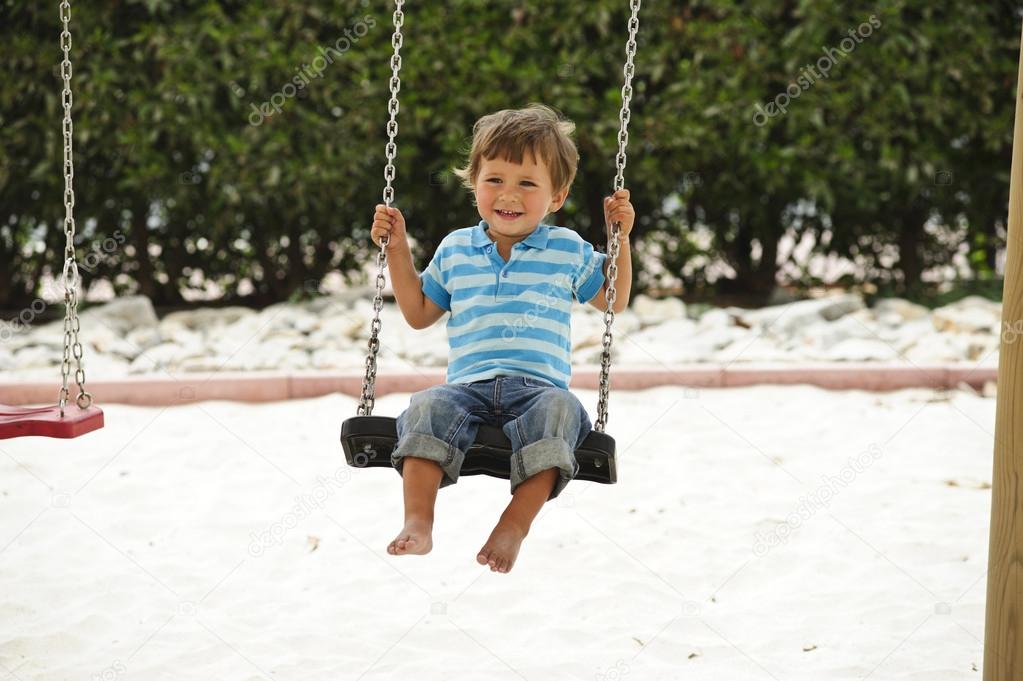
[{"x": 512, "y": 318}]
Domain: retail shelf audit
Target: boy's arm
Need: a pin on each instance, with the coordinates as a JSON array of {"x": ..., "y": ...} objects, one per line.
[
  {"x": 623, "y": 283},
  {"x": 419, "y": 311}
]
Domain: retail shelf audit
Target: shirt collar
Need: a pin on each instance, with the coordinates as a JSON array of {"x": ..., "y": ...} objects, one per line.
[{"x": 538, "y": 239}]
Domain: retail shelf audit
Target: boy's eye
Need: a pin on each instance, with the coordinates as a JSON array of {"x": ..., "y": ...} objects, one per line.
[{"x": 497, "y": 180}]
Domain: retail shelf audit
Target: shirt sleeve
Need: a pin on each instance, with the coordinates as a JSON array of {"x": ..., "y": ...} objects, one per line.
[
  {"x": 435, "y": 281},
  {"x": 590, "y": 273}
]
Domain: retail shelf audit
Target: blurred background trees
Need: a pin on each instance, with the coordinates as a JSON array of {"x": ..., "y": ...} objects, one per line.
[{"x": 891, "y": 172}]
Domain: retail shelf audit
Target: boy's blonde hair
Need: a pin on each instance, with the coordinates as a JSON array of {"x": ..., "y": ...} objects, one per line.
[{"x": 512, "y": 133}]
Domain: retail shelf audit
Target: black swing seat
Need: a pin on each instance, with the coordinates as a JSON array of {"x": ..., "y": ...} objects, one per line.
[{"x": 369, "y": 440}]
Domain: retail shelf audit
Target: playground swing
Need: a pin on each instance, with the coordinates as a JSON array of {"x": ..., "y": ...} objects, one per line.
[
  {"x": 52, "y": 421},
  {"x": 368, "y": 440}
]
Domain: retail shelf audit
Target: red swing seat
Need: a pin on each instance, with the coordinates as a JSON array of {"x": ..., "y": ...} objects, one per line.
[
  {"x": 47, "y": 421},
  {"x": 80, "y": 417}
]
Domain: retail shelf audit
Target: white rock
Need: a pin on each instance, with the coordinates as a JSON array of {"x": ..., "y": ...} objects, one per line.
[
  {"x": 934, "y": 348},
  {"x": 193, "y": 341},
  {"x": 391, "y": 320},
  {"x": 588, "y": 327},
  {"x": 286, "y": 316},
  {"x": 654, "y": 311},
  {"x": 295, "y": 359},
  {"x": 334, "y": 331},
  {"x": 293, "y": 338},
  {"x": 979, "y": 346},
  {"x": 425, "y": 347},
  {"x": 341, "y": 299},
  {"x": 18, "y": 336},
  {"x": 705, "y": 343},
  {"x": 862, "y": 350},
  {"x": 782, "y": 320},
  {"x": 662, "y": 344},
  {"x": 205, "y": 319},
  {"x": 824, "y": 335},
  {"x": 121, "y": 315},
  {"x": 273, "y": 355},
  {"x": 967, "y": 317},
  {"x": 900, "y": 308},
  {"x": 101, "y": 338},
  {"x": 35, "y": 357},
  {"x": 164, "y": 356},
  {"x": 103, "y": 367},
  {"x": 906, "y": 335},
  {"x": 890, "y": 319},
  {"x": 753, "y": 349},
  {"x": 716, "y": 318},
  {"x": 247, "y": 330},
  {"x": 982, "y": 303},
  {"x": 336, "y": 359},
  {"x": 144, "y": 338}
]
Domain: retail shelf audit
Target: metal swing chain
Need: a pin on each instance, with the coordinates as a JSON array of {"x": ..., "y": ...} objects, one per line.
[
  {"x": 613, "y": 246},
  {"x": 72, "y": 346},
  {"x": 368, "y": 398}
]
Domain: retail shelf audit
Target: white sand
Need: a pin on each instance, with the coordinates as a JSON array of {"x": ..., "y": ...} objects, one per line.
[{"x": 130, "y": 553}]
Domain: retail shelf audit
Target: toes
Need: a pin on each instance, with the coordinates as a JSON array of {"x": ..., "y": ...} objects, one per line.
[
  {"x": 398, "y": 546},
  {"x": 488, "y": 557}
]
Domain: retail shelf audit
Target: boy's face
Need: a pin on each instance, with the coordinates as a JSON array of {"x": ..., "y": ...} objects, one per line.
[{"x": 514, "y": 197}]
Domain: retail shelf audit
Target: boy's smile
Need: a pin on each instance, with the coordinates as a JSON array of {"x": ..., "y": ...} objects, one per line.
[{"x": 514, "y": 197}]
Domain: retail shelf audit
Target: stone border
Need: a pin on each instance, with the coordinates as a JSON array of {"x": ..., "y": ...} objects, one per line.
[{"x": 164, "y": 390}]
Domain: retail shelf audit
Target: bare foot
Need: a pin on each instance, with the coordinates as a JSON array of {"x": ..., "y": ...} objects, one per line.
[
  {"x": 502, "y": 547},
  {"x": 416, "y": 537}
]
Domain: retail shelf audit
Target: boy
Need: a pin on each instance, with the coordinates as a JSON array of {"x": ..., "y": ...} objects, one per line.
[{"x": 509, "y": 283}]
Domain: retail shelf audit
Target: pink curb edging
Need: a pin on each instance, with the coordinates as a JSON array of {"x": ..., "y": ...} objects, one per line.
[{"x": 278, "y": 386}]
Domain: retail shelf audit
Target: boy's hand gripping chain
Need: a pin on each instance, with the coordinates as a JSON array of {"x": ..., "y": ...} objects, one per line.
[
  {"x": 613, "y": 245},
  {"x": 369, "y": 382}
]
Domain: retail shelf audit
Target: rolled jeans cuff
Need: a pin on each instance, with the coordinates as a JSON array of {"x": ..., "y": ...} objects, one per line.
[
  {"x": 552, "y": 452},
  {"x": 424, "y": 446}
]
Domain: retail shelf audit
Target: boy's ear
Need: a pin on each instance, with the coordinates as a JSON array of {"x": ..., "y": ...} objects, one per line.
[{"x": 558, "y": 200}]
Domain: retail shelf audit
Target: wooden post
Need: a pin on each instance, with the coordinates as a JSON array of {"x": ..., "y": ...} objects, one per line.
[{"x": 1003, "y": 632}]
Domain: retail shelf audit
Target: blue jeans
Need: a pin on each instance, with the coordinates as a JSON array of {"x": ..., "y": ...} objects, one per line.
[{"x": 544, "y": 423}]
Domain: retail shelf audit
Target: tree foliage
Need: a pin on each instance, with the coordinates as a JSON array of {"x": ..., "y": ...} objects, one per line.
[{"x": 183, "y": 180}]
